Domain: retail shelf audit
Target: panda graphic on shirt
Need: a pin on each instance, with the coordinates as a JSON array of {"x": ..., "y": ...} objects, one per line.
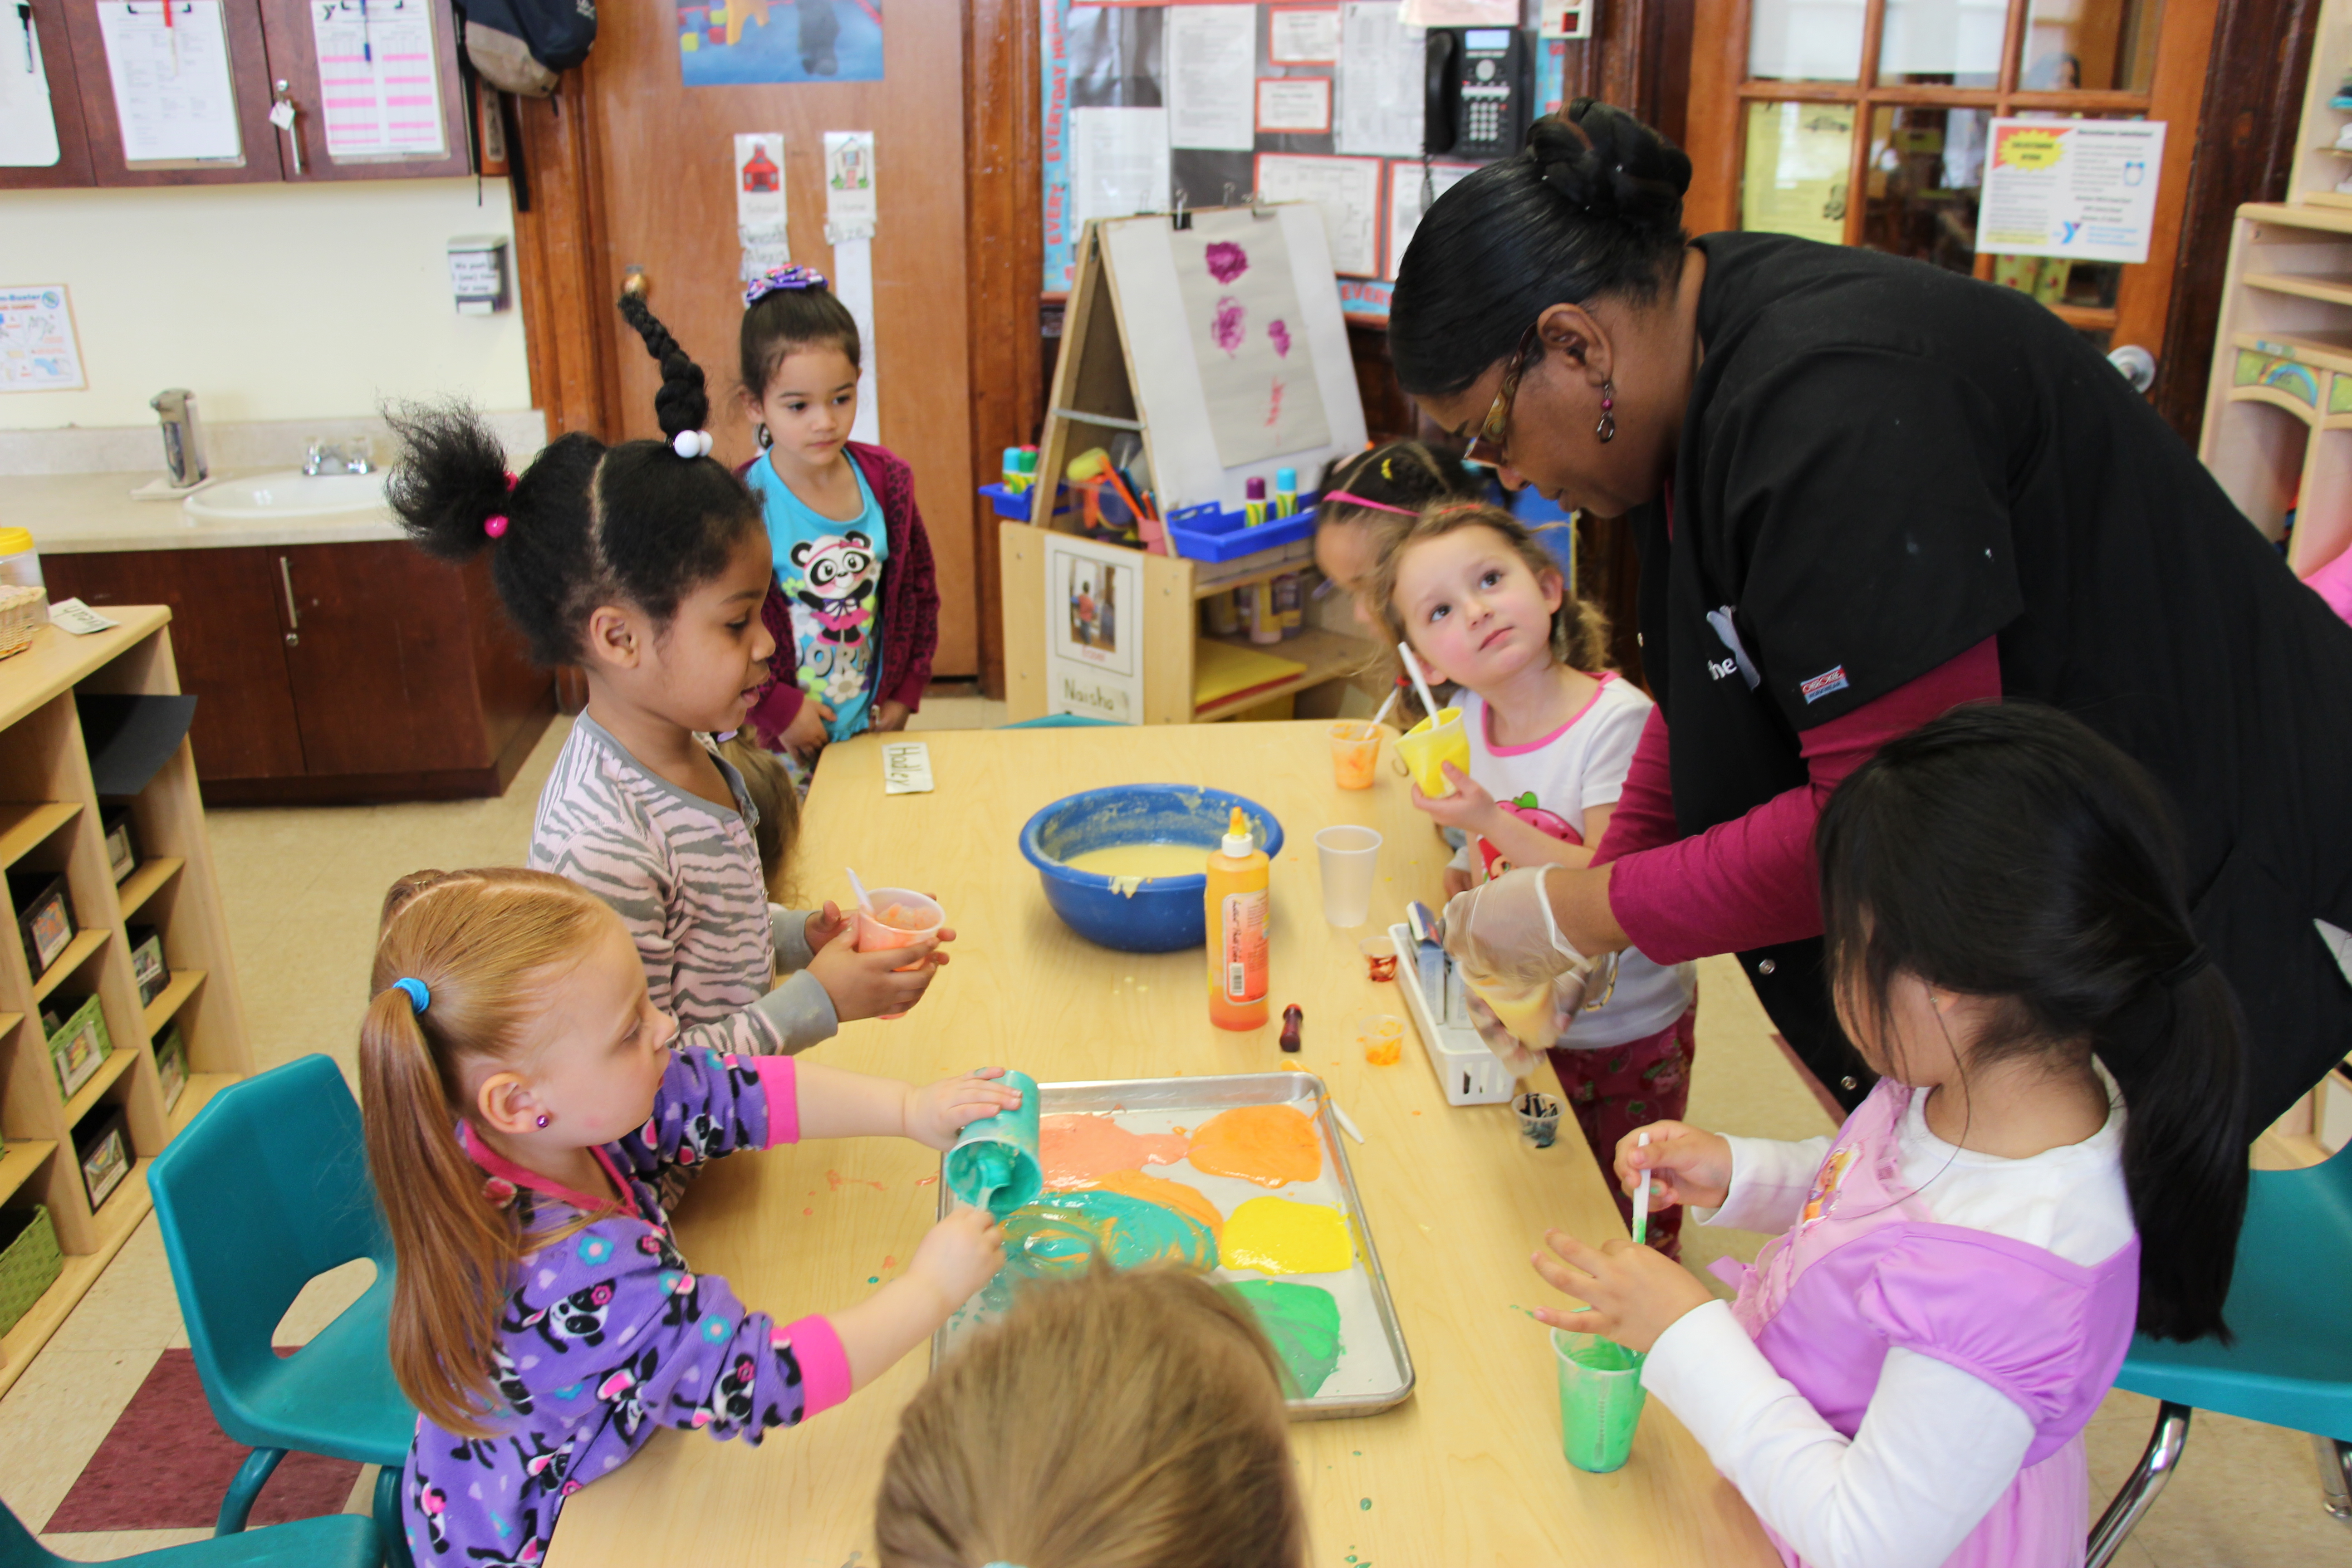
[{"x": 832, "y": 586}]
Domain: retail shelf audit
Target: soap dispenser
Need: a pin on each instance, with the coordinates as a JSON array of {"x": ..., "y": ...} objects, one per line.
[{"x": 184, "y": 442}]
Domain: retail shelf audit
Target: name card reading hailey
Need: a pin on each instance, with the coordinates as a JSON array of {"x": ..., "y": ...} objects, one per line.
[{"x": 906, "y": 767}]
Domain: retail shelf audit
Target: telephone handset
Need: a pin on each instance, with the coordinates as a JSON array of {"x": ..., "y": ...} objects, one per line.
[{"x": 1474, "y": 98}]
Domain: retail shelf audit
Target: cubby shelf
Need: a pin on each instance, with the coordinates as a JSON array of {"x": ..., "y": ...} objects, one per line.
[{"x": 49, "y": 818}]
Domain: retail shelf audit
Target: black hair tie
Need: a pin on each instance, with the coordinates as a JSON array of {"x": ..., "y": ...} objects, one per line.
[{"x": 2190, "y": 967}]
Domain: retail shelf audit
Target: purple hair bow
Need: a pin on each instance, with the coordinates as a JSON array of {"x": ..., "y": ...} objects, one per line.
[{"x": 792, "y": 274}]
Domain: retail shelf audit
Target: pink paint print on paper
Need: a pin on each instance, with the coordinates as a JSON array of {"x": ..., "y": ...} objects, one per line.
[{"x": 1241, "y": 312}]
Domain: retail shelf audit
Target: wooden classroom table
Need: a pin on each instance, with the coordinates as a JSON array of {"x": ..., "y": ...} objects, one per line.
[{"x": 1468, "y": 1470}]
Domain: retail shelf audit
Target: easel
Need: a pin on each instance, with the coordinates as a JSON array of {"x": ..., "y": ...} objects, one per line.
[{"x": 1094, "y": 379}]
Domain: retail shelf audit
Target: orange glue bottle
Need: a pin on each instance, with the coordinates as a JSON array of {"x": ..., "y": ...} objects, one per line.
[{"x": 1237, "y": 900}]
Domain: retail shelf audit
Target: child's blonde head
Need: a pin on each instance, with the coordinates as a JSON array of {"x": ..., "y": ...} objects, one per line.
[
  {"x": 482, "y": 944},
  {"x": 1579, "y": 629},
  {"x": 1117, "y": 1420}
]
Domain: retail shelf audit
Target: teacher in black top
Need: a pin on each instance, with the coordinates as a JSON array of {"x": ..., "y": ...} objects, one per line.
[{"x": 1864, "y": 490}]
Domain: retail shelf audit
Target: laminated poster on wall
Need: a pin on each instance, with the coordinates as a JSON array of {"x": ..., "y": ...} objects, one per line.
[
  {"x": 1302, "y": 35},
  {"x": 37, "y": 350},
  {"x": 1349, "y": 192},
  {"x": 1211, "y": 50},
  {"x": 1798, "y": 169},
  {"x": 1381, "y": 64},
  {"x": 2083, "y": 189},
  {"x": 168, "y": 62},
  {"x": 1119, "y": 162},
  {"x": 1407, "y": 185},
  {"x": 1094, "y": 630},
  {"x": 1257, "y": 367},
  {"x": 736, "y": 43},
  {"x": 1294, "y": 106},
  {"x": 378, "y": 90},
  {"x": 28, "y": 123}
]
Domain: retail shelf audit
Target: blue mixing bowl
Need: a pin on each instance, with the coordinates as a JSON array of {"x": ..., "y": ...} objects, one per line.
[{"x": 1163, "y": 912}]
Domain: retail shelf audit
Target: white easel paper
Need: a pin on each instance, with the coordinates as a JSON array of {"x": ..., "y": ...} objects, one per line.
[
  {"x": 850, "y": 212},
  {"x": 37, "y": 353},
  {"x": 1210, "y": 51},
  {"x": 28, "y": 124},
  {"x": 1240, "y": 296},
  {"x": 378, "y": 91},
  {"x": 760, "y": 210},
  {"x": 1349, "y": 192},
  {"x": 1381, "y": 66},
  {"x": 1302, "y": 35},
  {"x": 2084, "y": 189},
  {"x": 171, "y": 90},
  {"x": 1119, "y": 162}
]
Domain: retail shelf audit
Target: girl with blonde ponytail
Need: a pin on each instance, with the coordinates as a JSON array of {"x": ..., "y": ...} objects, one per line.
[{"x": 521, "y": 1105}]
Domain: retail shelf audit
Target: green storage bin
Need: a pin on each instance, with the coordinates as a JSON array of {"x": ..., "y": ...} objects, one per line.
[{"x": 29, "y": 1261}]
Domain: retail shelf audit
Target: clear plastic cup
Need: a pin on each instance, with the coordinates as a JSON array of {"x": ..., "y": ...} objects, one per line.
[
  {"x": 1429, "y": 745},
  {"x": 876, "y": 935},
  {"x": 1355, "y": 753},
  {"x": 1538, "y": 1118},
  {"x": 1382, "y": 1037},
  {"x": 1349, "y": 856},
  {"x": 1379, "y": 957},
  {"x": 1600, "y": 1400}
]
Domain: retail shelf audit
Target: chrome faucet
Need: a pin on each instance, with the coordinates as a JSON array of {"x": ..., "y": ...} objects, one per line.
[{"x": 356, "y": 456}]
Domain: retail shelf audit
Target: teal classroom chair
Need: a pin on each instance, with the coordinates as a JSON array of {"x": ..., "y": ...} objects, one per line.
[
  {"x": 337, "y": 1540},
  {"x": 265, "y": 1190},
  {"x": 1061, "y": 721},
  {"x": 2292, "y": 1364}
]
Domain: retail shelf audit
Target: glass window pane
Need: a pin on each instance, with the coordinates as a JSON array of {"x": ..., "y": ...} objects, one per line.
[
  {"x": 2089, "y": 43},
  {"x": 1805, "y": 40},
  {"x": 1951, "y": 42},
  {"x": 1927, "y": 166},
  {"x": 1800, "y": 158}
]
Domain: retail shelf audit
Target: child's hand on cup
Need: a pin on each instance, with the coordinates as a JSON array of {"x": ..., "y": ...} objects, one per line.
[
  {"x": 1686, "y": 1164},
  {"x": 825, "y": 924},
  {"x": 957, "y": 1256},
  {"x": 1470, "y": 807},
  {"x": 1633, "y": 1294},
  {"x": 935, "y": 1114},
  {"x": 869, "y": 985}
]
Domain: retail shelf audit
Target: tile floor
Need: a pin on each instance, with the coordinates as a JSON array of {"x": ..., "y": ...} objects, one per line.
[{"x": 301, "y": 886}]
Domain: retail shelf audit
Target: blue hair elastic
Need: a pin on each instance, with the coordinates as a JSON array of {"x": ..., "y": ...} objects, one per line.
[{"x": 419, "y": 998}]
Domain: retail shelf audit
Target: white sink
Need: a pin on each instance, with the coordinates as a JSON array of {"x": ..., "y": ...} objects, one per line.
[{"x": 286, "y": 496}]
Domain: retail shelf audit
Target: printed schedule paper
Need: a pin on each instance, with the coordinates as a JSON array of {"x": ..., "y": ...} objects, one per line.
[
  {"x": 38, "y": 352},
  {"x": 28, "y": 125},
  {"x": 377, "y": 90},
  {"x": 171, "y": 91}
]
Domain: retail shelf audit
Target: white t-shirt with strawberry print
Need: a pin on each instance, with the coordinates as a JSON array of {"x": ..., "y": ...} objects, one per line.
[{"x": 1551, "y": 783}]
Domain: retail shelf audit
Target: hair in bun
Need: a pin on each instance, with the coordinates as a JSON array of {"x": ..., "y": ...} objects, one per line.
[{"x": 1591, "y": 206}]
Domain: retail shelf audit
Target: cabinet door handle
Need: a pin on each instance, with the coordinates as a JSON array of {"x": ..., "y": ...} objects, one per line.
[{"x": 293, "y": 615}]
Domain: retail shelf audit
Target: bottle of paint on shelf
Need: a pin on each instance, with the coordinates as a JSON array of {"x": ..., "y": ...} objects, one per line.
[
  {"x": 1254, "y": 502},
  {"x": 1288, "y": 611},
  {"x": 1237, "y": 900},
  {"x": 1015, "y": 479},
  {"x": 1224, "y": 617},
  {"x": 1265, "y": 620},
  {"x": 1286, "y": 492}
]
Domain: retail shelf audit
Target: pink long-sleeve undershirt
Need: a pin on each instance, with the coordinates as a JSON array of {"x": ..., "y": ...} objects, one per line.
[{"x": 1750, "y": 882}]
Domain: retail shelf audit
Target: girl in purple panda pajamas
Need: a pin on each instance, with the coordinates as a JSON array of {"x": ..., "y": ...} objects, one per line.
[{"x": 522, "y": 1103}]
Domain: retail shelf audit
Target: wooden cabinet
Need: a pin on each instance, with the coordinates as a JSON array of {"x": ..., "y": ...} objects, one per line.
[
  {"x": 363, "y": 671},
  {"x": 269, "y": 41}
]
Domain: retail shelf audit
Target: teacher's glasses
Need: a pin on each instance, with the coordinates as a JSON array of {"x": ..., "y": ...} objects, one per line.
[{"x": 1487, "y": 446}]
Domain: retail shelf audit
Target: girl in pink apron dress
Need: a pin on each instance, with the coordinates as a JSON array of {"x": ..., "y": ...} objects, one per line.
[{"x": 1906, "y": 1374}]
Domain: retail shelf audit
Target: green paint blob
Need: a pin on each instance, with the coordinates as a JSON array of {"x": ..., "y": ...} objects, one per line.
[
  {"x": 1303, "y": 1321},
  {"x": 874, "y": 1279},
  {"x": 1060, "y": 1233},
  {"x": 1366, "y": 1505}
]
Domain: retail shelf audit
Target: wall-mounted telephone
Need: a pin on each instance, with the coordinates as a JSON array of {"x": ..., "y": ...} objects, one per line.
[{"x": 1475, "y": 99}]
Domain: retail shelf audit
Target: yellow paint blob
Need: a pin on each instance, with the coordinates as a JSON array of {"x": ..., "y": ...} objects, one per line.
[
  {"x": 1525, "y": 1010},
  {"x": 1272, "y": 1145},
  {"x": 1276, "y": 1235}
]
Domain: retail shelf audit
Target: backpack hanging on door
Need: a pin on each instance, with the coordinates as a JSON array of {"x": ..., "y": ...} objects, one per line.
[{"x": 522, "y": 46}]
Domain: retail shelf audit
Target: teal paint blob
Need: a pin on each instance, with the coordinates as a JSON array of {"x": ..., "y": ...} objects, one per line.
[
  {"x": 1303, "y": 1321},
  {"x": 1366, "y": 1505},
  {"x": 1061, "y": 1232}
]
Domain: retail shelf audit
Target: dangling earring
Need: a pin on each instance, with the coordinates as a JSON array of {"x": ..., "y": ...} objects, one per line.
[
  {"x": 541, "y": 1122},
  {"x": 1607, "y": 428},
  {"x": 766, "y": 440}
]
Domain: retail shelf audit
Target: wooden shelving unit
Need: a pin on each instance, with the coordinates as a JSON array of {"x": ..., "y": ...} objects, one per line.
[{"x": 50, "y": 821}]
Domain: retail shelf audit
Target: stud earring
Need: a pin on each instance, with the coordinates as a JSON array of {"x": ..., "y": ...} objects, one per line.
[
  {"x": 541, "y": 1122},
  {"x": 1607, "y": 428},
  {"x": 766, "y": 440}
]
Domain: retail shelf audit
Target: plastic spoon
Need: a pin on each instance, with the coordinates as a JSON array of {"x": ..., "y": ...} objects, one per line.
[
  {"x": 1386, "y": 706},
  {"x": 1420, "y": 682},
  {"x": 1642, "y": 1197},
  {"x": 864, "y": 902}
]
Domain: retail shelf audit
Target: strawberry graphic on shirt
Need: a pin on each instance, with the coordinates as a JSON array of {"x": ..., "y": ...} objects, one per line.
[{"x": 1523, "y": 806}]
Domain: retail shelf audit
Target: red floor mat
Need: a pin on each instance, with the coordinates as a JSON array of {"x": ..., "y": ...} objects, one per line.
[{"x": 166, "y": 1465}]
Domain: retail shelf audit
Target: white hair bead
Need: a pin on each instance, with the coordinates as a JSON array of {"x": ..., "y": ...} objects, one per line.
[{"x": 692, "y": 444}]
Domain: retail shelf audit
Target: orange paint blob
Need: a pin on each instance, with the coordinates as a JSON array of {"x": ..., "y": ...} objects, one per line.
[
  {"x": 1076, "y": 1150},
  {"x": 1272, "y": 1145},
  {"x": 1188, "y": 1201}
]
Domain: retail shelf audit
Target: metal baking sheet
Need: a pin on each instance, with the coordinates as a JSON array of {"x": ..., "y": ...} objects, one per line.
[{"x": 1375, "y": 1369}]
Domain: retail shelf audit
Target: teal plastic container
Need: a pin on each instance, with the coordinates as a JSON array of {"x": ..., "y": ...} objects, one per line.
[{"x": 994, "y": 1163}]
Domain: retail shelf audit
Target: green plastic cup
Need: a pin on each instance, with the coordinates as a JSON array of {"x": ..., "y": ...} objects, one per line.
[
  {"x": 1600, "y": 1400},
  {"x": 994, "y": 1162}
]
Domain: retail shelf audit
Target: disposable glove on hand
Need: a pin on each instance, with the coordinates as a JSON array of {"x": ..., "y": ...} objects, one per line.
[{"x": 1514, "y": 958}]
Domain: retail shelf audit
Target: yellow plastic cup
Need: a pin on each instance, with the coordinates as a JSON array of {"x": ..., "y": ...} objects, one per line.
[
  {"x": 1355, "y": 753},
  {"x": 1429, "y": 745}
]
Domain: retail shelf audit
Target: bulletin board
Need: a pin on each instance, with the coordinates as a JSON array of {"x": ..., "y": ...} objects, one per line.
[{"x": 1188, "y": 66}]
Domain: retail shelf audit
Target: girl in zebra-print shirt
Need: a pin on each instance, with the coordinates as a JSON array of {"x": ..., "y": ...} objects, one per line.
[{"x": 645, "y": 563}]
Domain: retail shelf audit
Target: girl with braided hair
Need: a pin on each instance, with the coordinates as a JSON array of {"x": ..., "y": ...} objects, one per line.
[
  {"x": 646, "y": 564},
  {"x": 1865, "y": 489}
]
